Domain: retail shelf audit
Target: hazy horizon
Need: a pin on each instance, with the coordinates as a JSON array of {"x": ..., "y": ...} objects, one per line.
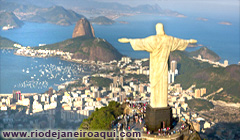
[{"x": 220, "y": 8}]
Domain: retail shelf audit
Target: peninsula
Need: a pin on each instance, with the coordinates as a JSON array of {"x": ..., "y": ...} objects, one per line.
[
  {"x": 84, "y": 45},
  {"x": 102, "y": 20},
  {"x": 6, "y": 43}
]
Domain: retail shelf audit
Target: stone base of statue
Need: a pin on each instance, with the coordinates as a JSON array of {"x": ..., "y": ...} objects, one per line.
[{"x": 157, "y": 118}]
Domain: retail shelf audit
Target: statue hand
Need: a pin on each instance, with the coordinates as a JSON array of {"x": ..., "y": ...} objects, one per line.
[
  {"x": 124, "y": 40},
  {"x": 192, "y": 41}
]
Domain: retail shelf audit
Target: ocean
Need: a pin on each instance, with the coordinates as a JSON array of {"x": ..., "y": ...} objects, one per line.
[{"x": 222, "y": 39}]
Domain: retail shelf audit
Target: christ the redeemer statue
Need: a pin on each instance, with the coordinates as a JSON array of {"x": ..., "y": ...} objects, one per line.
[{"x": 159, "y": 46}]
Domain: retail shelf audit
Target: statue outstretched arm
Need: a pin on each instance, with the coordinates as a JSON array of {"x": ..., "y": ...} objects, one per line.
[
  {"x": 124, "y": 40},
  {"x": 181, "y": 44},
  {"x": 145, "y": 44},
  {"x": 192, "y": 41}
]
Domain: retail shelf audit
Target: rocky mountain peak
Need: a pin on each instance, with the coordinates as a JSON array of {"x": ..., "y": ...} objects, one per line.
[{"x": 83, "y": 28}]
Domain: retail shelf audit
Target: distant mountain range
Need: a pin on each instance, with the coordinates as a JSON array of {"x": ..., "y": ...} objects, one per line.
[
  {"x": 55, "y": 14},
  {"x": 14, "y": 12},
  {"x": 93, "y": 7},
  {"x": 9, "y": 18},
  {"x": 114, "y": 7}
]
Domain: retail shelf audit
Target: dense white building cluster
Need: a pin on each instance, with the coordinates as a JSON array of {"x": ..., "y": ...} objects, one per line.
[
  {"x": 77, "y": 103},
  {"x": 27, "y": 51},
  {"x": 177, "y": 100}
]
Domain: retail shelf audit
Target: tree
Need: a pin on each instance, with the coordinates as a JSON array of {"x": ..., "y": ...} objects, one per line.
[
  {"x": 102, "y": 121},
  {"x": 85, "y": 124},
  {"x": 101, "y": 118}
]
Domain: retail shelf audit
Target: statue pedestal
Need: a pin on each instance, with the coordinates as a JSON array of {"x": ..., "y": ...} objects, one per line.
[{"x": 157, "y": 118}]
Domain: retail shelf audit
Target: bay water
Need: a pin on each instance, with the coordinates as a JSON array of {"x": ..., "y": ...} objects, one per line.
[{"x": 18, "y": 72}]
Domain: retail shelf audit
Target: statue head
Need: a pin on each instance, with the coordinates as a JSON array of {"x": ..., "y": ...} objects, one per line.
[{"x": 160, "y": 29}]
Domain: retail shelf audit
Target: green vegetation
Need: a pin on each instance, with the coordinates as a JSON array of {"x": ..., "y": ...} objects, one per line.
[
  {"x": 205, "y": 75},
  {"x": 102, "y": 20},
  {"x": 101, "y": 118},
  {"x": 6, "y": 43},
  {"x": 224, "y": 97},
  {"x": 86, "y": 48},
  {"x": 140, "y": 77},
  {"x": 77, "y": 84},
  {"x": 100, "y": 81},
  {"x": 9, "y": 18},
  {"x": 70, "y": 45},
  {"x": 199, "y": 104},
  {"x": 116, "y": 71}
]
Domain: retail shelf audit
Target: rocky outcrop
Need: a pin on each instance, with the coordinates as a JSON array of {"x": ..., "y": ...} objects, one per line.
[
  {"x": 97, "y": 50},
  {"x": 98, "y": 54},
  {"x": 85, "y": 46},
  {"x": 83, "y": 28},
  {"x": 206, "y": 54}
]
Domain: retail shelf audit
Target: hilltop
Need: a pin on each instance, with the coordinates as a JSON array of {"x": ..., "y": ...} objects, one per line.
[
  {"x": 102, "y": 118},
  {"x": 85, "y": 47},
  {"x": 102, "y": 20},
  {"x": 205, "y": 75},
  {"x": 206, "y": 53},
  {"x": 9, "y": 18},
  {"x": 83, "y": 28},
  {"x": 55, "y": 15}
]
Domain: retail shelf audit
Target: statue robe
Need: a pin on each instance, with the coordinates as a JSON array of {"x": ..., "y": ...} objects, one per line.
[{"x": 159, "y": 47}]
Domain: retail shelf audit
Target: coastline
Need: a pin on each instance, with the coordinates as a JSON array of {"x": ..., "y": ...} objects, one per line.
[
  {"x": 7, "y": 48},
  {"x": 33, "y": 56},
  {"x": 34, "y": 93},
  {"x": 10, "y": 94},
  {"x": 65, "y": 83},
  {"x": 30, "y": 94}
]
